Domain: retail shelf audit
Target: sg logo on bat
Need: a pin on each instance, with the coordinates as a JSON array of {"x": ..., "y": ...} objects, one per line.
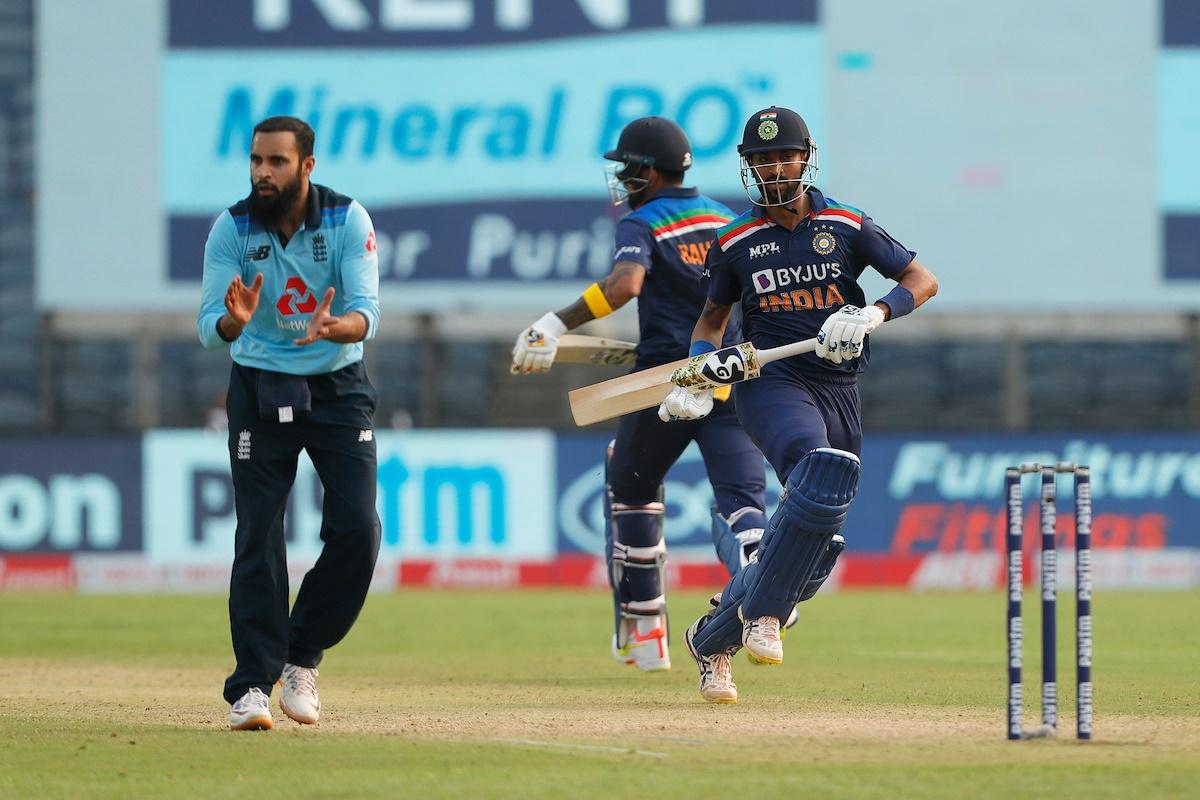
[
  {"x": 719, "y": 368},
  {"x": 724, "y": 366}
]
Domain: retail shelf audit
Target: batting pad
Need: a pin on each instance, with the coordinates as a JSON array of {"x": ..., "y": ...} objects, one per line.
[
  {"x": 818, "y": 495},
  {"x": 819, "y": 492}
]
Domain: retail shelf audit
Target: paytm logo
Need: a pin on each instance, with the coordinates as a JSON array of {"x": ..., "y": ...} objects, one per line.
[{"x": 462, "y": 505}]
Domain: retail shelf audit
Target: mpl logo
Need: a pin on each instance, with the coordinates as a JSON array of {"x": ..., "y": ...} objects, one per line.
[
  {"x": 296, "y": 298},
  {"x": 763, "y": 280},
  {"x": 760, "y": 250}
]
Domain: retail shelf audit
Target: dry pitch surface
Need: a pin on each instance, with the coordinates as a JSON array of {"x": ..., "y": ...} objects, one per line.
[{"x": 513, "y": 695}]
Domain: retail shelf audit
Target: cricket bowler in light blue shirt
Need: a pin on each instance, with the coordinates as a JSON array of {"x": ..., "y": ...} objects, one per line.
[{"x": 291, "y": 281}]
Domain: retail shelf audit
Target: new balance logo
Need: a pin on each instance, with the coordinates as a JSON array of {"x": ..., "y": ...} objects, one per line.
[
  {"x": 763, "y": 249},
  {"x": 243, "y": 446},
  {"x": 260, "y": 253},
  {"x": 366, "y": 436}
]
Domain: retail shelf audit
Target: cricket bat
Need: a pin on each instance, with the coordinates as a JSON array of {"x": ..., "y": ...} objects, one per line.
[
  {"x": 649, "y": 387},
  {"x": 577, "y": 349}
]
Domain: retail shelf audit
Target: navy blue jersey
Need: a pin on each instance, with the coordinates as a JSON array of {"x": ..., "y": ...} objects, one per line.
[
  {"x": 789, "y": 282},
  {"x": 670, "y": 236}
]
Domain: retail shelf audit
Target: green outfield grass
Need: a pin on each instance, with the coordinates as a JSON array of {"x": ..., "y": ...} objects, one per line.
[{"x": 473, "y": 694}]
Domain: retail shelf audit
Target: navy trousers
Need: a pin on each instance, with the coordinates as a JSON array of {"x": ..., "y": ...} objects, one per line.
[
  {"x": 263, "y": 452},
  {"x": 646, "y": 447}
]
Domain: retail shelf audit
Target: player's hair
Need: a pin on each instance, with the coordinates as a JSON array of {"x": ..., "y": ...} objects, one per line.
[
  {"x": 294, "y": 125},
  {"x": 671, "y": 176}
]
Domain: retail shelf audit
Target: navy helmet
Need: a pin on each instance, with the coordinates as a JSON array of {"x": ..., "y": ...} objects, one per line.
[
  {"x": 654, "y": 142},
  {"x": 781, "y": 130}
]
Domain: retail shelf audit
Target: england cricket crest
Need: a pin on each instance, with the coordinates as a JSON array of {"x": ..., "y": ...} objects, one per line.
[{"x": 722, "y": 367}]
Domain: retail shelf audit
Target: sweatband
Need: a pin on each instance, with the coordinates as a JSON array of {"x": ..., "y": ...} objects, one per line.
[
  {"x": 596, "y": 302},
  {"x": 899, "y": 300},
  {"x": 700, "y": 347}
]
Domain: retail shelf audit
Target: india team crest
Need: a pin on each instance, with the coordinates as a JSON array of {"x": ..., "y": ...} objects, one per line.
[
  {"x": 768, "y": 130},
  {"x": 824, "y": 243}
]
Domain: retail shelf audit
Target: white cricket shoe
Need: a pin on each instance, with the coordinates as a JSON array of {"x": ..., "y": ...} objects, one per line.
[
  {"x": 645, "y": 643},
  {"x": 760, "y": 636},
  {"x": 299, "y": 696},
  {"x": 716, "y": 672},
  {"x": 252, "y": 712}
]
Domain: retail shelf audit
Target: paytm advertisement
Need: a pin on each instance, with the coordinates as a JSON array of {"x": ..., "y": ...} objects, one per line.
[
  {"x": 518, "y": 508},
  {"x": 472, "y": 132}
]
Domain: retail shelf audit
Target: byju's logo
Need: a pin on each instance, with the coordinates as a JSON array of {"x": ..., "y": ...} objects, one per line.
[
  {"x": 296, "y": 298},
  {"x": 764, "y": 281}
]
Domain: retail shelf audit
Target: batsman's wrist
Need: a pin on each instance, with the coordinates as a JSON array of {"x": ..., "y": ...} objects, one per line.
[
  {"x": 551, "y": 324},
  {"x": 700, "y": 347}
]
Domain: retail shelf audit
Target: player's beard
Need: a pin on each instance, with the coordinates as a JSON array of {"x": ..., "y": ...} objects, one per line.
[
  {"x": 781, "y": 193},
  {"x": 268, "y": 211}
]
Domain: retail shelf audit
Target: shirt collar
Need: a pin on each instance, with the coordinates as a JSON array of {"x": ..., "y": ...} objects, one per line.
[
  {"x": 677, "y": 191},
  {"x": 816, "y": 204},
  {"x": 312, "y": 217}
]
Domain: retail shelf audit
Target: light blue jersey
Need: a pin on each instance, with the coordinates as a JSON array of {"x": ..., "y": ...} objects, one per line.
[{"x": 334, "y": 247}]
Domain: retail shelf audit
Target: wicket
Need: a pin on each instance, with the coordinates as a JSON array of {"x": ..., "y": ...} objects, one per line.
[{"x": 1048, "y": 514}]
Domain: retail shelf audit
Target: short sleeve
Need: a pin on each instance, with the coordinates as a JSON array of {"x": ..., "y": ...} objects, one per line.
[
  {"x": 874, "y": 247},
  {"x": 633, "y": 242},
  {"x": 722, "y": 281}
]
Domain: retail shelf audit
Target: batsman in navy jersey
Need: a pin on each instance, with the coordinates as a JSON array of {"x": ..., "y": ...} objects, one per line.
[
  {"x": 791, "y": 265},
  {"x": 661, "y": 247}
]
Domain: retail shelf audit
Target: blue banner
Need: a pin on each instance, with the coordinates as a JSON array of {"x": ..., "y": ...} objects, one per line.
[
  {"x": 938, "y": 494},
  {"x": 70, "y": 495},
  {"x": 479, "y": 153}
]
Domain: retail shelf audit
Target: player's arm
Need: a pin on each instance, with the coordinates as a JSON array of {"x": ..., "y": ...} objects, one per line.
[
  {"x": 710, "y": 327},
  {"x": 605, "y": 296},
  {"x": 226, "y": 303},
  {"x": 842, "y": 335},
  {"x": 537, "y": 345},
  {"x": 358, "y": 269},
  {"x": 919, "y": 283}
]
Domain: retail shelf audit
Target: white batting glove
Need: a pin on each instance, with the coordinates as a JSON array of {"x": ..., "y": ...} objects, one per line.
[
  {"x": 682, "y": 404},
  {"x": 537, "y": 345},
  {"x": 841, "y": 337}
]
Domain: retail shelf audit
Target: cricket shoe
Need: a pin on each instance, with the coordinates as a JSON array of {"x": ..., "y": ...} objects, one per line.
[
  {"x": 299, "y": 698},
  {"x": 716, "y": 672},
  {"x": 645, "y": 643},
  {"x": 760, "y": 636},
  {"x": 252, "y": 712}
]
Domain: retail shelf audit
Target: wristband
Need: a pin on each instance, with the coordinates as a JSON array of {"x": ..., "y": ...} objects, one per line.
[
  {"x": 700, "y": 347},
  {"x": 596, "y": 302},
  {"x": 900, "y": 301}
]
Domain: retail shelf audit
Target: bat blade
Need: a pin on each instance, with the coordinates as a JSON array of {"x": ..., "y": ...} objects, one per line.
[
  {"x": 623, "y": 395},
  {"x": 578, "y": 349}
]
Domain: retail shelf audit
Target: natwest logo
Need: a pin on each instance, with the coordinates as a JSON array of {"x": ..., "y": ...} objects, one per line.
[{"x": 296, "y": 298}]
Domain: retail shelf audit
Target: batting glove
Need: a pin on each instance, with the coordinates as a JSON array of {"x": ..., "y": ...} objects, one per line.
[
  {"x": 841, "y": 337},
  {"x": 682, "y": 404},
  {"x": 537, "y": 345}
]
